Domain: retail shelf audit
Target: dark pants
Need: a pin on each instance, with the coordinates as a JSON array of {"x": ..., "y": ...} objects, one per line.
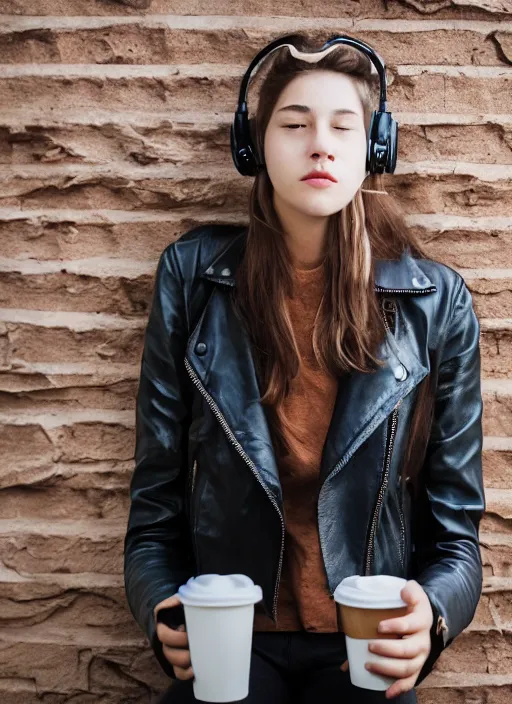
[{"x": 296, "y": 668}]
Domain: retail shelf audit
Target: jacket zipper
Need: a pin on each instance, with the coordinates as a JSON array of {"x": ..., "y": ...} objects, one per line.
[
  {"x": 431, "y": 289},
  {"x": 392, "y": 308},
  {"x": 402, "y": 527},
  {"x": 387, "y": 463},
  {"x": 339, "y": 465},
  {"x": 382, "y": 490},
  {"x": 232, "y": 439}
]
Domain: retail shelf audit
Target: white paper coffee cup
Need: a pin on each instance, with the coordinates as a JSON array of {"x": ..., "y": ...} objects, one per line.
[
  {"x": 364, "y": 602},
  {"x": 219, "y": 617}
]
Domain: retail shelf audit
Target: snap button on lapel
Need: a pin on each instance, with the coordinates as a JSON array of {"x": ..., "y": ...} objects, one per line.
[
  {"x": 225, "y": 272},
  {"x": 400, "y": 373},
  {"x": 419, "y": 283},
  {"x": 201, "y": 348}
]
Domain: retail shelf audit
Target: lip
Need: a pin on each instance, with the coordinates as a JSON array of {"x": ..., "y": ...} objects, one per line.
[
  {"x": 318, "y": 182},
  {"x": 319, "y": 176}
]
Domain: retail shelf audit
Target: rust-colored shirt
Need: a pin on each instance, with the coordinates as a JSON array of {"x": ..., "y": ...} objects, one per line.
[{"x": 304, "y": 601}]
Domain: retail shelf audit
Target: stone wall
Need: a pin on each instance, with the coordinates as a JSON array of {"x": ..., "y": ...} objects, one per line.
[{"x": 114, "y": 139}]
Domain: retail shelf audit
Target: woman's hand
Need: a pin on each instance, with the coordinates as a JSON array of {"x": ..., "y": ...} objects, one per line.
[
  {"x": 409, "y": 652},
  {"x": 175, "y": 642}
]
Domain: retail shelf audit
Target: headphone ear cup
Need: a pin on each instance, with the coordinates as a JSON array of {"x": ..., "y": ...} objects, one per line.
[
  {"x": 393, "y": 147},
  {"x": 241, "y": 145},
  {"x": 369, "y": 146},
  {"x": 382, "y": 148}
]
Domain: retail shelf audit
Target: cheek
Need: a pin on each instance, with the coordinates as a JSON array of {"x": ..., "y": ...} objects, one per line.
[
  {"x": 280, "y": 159},
  {"x": 355, "y": 148},
  {"x": 353, "y": 159},
  {"x": 276, "y": 143}
]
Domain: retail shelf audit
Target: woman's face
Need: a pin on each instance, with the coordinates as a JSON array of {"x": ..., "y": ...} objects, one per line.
[{"x": 325, "y": 131}]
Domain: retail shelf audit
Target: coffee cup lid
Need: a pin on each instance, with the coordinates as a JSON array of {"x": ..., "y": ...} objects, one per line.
[
  {"x": 220, "y": 590},
  {"x": 372, "y": 592}
]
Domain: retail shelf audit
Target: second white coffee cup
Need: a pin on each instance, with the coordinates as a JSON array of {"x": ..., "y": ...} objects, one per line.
[
  {"x": 219, "y": 617},
  {"x": 365, "y": 602}
]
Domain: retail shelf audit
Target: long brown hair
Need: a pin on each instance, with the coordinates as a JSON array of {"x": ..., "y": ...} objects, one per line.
[{"x": 348, "y": 326}]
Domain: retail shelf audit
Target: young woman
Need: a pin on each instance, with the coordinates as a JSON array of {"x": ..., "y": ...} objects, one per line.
[{"x": 309, "y": 408}]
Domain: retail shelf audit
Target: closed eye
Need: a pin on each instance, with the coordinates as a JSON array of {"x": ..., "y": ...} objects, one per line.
[{"x": 345, "y": 129}]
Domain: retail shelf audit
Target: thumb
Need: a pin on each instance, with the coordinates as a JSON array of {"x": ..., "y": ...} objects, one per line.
[
  {"x": 167, "y": 604},
  {"x": 344, "y": 667},
  {"x": 412, "y": 593}
]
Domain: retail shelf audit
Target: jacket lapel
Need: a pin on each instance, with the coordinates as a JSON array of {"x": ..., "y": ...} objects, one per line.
[
  {"x": 363, "y": 401},
  {"x": 220, "y": 354},
  {"x": 226, "y": 369}
]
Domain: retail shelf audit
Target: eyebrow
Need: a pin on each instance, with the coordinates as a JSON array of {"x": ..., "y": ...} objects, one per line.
[{"x": 306, "y": 109}]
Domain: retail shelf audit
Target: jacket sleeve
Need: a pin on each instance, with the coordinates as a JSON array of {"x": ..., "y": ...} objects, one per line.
[
  {"x": 452, "y": 501},
  {"x": 157, "y": 546}
]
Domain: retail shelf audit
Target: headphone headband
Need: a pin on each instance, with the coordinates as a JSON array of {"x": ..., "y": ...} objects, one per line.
[{"x": 383, "y": 132}]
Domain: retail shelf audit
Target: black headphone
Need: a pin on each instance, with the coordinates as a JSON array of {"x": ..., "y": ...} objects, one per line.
[{"x": 382, "y": 136}]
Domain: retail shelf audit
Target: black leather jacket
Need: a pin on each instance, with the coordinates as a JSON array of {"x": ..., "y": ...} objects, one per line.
[{"x": 205, "y": 493}]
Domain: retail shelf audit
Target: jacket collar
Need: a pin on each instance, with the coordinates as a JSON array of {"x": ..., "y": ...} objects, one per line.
[{"x": 393, "y": 276}]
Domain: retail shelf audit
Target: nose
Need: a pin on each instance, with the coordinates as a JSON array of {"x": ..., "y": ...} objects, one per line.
[{"x": 321, "y": 146}]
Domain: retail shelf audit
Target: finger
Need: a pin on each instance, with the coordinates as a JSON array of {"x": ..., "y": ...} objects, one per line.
[
  {"x": 184, "y": 674},
  {"x": 401, "y": 687},
  {"x": 176, "y": 639},
  {"x": 167, "y": 604},
  {"x": 344, "y": 667},
  {"x": 412, "y": 593},
  {"x": 405, "y": 625},
  {"x": 178, "y": 657},
  {"x": 397, "y": 669},
  {"x": 404, "y": 648}
]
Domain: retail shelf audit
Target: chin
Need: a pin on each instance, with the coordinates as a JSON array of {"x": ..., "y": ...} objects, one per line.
[{"x": 319, "y": 210}]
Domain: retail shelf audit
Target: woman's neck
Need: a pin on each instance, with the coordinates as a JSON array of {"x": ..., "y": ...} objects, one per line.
[{"x": 305, "y": 235}]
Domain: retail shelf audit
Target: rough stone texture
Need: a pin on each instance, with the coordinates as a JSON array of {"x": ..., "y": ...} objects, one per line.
[
  {"x": 38, "y": 339},
  {"x": 189, "y": 87},
  {"x": 87, "y": 670},
  {"x": 497, "y": 407},
  {"x": 467, "y": 243},
  {"x": 124, "y": 145},
  {"x": 353, "y": 9},
  {"x": 168, "y": 39},
  {"x": 496, "y": 348},
  {"x": 497, "y": 465}
]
